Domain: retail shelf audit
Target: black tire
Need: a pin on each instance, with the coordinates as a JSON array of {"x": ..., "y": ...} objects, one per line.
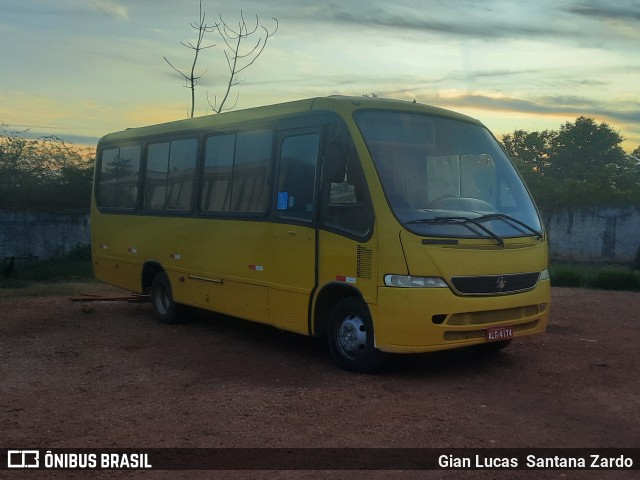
[
  {"x": 165, "y": 309},
  {"x": 351, "y": 337}
]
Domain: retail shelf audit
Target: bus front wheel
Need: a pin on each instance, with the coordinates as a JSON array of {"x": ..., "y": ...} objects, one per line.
[
  {"x": 351, "y": 337},
  {"x": 165, "y": 309}
]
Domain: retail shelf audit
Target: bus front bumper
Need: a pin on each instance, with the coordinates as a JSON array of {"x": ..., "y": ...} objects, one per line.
[{"x": 413, "y": 320}]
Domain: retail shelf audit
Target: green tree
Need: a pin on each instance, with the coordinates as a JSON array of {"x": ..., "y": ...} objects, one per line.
[
  {"x": 531, "y": 153},
  {"x": 44, "y": 174},
  {"x": 582, "y": 163},
  {"x": 589, "y": 158}
]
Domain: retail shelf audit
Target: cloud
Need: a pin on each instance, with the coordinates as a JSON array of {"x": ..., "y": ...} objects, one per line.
[
  {"x": 111, "y": 8},
  {"x": 574, "y": 22},
  {"x": 463, "y": 19},
  {"x": 546, "y": 105},
  {"x": 437, "y": 22},
  {"x": 66, "y": 8},
  {"x": 621, "y": 9}
]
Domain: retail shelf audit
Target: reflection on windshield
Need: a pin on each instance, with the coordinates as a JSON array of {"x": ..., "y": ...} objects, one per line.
[{"x": 433, "y": 169}]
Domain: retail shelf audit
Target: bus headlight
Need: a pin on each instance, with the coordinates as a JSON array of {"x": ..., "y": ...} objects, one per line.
[
  {"x": 407, "y": 281},
  {"x": 544, "y": 275}
]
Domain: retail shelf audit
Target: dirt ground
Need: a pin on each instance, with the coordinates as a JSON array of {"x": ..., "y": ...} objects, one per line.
[{"x": 106, "y": 375}]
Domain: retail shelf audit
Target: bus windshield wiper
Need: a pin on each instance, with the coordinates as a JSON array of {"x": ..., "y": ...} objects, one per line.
[
  {"x": 508, "y": 218},
  {"x": 465, "y": 221}
]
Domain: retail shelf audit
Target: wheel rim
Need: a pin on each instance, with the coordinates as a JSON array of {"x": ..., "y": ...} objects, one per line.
[
  {"x": 161, "y": 299},
  {"x": 352, "y": 336}
]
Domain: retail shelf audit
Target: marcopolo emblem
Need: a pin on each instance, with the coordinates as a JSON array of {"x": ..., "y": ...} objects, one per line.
[{"x": 501, "y": 284}]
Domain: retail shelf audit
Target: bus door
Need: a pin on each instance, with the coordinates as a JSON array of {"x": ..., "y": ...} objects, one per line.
[
  {"x": 347, "y": 247},
  {"x": 293, "y": 249}
]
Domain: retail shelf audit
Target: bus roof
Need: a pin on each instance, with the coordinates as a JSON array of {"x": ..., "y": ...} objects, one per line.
[{"x": 343, "y": 105}]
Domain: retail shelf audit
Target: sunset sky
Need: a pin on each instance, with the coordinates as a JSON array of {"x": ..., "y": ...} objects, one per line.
[{"x": 82, "y": 68}]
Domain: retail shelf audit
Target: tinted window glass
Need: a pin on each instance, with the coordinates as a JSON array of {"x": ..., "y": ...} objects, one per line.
[
  {"x": 347, "y": 204},
  {"x": 296, "y": 182},
  {"x": 155, "y": 189},
  {"x": 119, "y": 173},
  {"x": 181, "y": 177},
  {"x": 443, "y": 177},
  {"x": 250, "y": 189},
  {"x": 170, "y": 175},
  {"x": 218, "y": 172}
]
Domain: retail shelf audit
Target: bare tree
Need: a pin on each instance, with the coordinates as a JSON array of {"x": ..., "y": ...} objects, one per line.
[
  {"x": 239, "y": 58},
  {"x": 191, "y": 78}
]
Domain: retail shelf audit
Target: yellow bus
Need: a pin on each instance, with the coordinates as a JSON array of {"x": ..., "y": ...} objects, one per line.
[{"x": 383, "y": 225}]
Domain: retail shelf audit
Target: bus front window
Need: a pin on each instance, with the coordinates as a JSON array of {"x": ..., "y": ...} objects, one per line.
[{"x": 447, "y": 178}]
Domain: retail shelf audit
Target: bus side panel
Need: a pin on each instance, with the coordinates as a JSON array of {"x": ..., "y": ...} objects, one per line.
[
  {"x": 117, "y": 272},
  {"x": 223, "y": 264},
  {"x": 289, "y": 310},
  {"x": 350, "y": 262},
  {"x": 244, "y": 300},
  {"x": 256, "y": 270},
  {"x": 115, "y": 253},
  {"x": 290, "y": 268}
]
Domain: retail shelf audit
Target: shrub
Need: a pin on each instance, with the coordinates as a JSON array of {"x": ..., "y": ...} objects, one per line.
[
  {"x": 589, "y": 276},
  {"x": 617, "y": 279},
  {"x": 568, "y": 276}
]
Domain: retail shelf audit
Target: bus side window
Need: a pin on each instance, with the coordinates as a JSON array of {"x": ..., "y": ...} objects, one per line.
[
  {"x": 169, "y": 175},
  {"x": 347, "y": 204},
  {"x": 297, "y": 177},
  {"x": 118, "y": 181},
  {"x": 251, "y": 172},
  {"x": 182, "y": 173},
  {"x": 218, "y": 173},
  {"x": 155, "y": 185}
]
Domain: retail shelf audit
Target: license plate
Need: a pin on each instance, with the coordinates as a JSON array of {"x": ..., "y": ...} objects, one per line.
[{"x": 497, "y": 334}]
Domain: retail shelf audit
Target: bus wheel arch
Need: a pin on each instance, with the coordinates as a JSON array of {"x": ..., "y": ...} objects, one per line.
[
  {"x": 149, "y": 270},
  {"x": 326, "y": 300},
  {"x": 344, "y": 316},
  {"x": 156, "y": 282}
]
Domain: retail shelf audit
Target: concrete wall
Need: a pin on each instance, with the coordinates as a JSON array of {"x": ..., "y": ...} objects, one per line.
[
  {"x": 585, "y": 234},
  {"x": 43, "y": 235},
  {"x": 594, "y": 234}
]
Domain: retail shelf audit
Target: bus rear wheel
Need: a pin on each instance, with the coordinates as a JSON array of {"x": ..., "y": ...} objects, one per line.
[
  {"x": 351, "y": 337},
  {"x": 164, "y": 307}
]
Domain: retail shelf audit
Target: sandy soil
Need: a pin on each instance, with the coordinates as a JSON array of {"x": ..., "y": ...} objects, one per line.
[{"x": 106, "y": 374}]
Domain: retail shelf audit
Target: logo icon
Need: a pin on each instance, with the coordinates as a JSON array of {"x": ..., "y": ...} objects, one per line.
[
  {"x": 501, "y": 284},
  {"x": 23, "y": 459}
]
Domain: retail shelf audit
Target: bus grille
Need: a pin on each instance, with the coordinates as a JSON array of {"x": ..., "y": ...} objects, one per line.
[
  {"x": 492, "y": 316},
  {"x": 495, "y": 284},
  {"x": 365, "y": 257}
]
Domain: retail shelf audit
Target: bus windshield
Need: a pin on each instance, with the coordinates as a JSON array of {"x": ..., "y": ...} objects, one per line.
[{"x": 447, "y": 178}]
